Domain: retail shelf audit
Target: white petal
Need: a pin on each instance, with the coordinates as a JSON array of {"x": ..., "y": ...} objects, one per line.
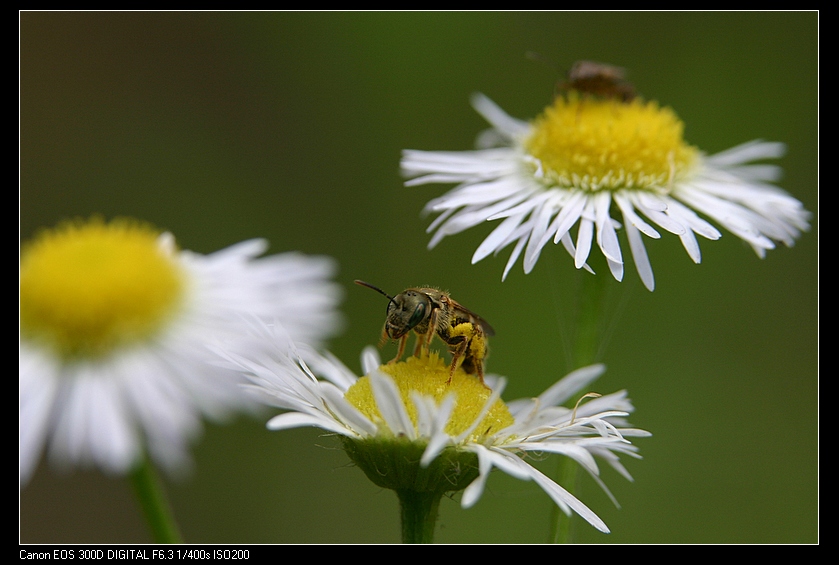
[
  {"x": 438, "y": 439},
  {"x": 513, "y": 256},
  {"x": 749, "y": 151},
  {"x": 37, "y": 385},
  {"x": 688, "y": 217},
  {"x": 639, "y": 256},
  {"x": 528, "y": 206},
  {"x": 569, "y": 214},
  {"x": 478, "y": 193},
  {"x": 390, "y": 404},
  {"x": 245, "y": 249},
  {"x": 485, "y": 163},
  {"x": 576, "y": 452},
  {"x": 564, "y": 499},
  {"x": 476, "y": 488},
  {"x": 291, "y": 420},
  {"x": 494, "y": 240},
  {"x": 569, "y": 247},
  {"x": 571, "y": 384},
  {"x": 584, "y": 233},
  {"x": 113, "y": 440},
  {"x": 499, "y": 119},
  {"x": 347, "y": 414},
  {"x": 370, "y": 360},
  {"x": 439, "y": 234},
  {"x": 736, "y": 219},
  {"x": 606, "y": 236},
  {"x": 655, "y": 209},
  {"x": 615, "y": 268},
  {"x": 630, "y": 217},
  {"x": 507, "y": 462},
  {"x": 536, "y": 242},
  {"x": 329, "y": 367}
]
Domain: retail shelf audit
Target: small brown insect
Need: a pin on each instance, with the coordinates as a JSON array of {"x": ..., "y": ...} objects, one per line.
[
  {"x": 427, "y": 311},
  {"x": 599, "y": 79}
]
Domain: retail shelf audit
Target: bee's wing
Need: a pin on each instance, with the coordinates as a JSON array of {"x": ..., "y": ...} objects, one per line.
[
  {"x": 488, "y": 330},
  {"x": 474, "y": 318}
]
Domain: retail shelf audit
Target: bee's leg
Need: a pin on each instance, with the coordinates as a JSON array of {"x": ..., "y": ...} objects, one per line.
[
  {"x": 424, "y": 340},
  {"x": 420, "y": 346},
  {"x": 472, "y": 365},
  {"x": 432, "y": 327},
  {"x": 460, "y": 344},
  {"x": 474, "y": 355},
  {"x": 479, "y": 370},
  {"x": 479, "y": 351},
  {"x": 402, "y": 341}
]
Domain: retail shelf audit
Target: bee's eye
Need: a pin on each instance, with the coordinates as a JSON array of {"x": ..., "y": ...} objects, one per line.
[{"x": 417, "y": 316}]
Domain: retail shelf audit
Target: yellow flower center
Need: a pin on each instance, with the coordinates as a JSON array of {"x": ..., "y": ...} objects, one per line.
[
  {"x": 428, "y": 375},
  {"x": 604, "y": 144},
  {"x": 89, "y": 287}
]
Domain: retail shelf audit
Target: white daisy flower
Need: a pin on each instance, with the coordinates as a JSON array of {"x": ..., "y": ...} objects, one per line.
[
  {"x": 114, "y": 327},
  {"x": 412, "y": 432},
  {"x": 603, "y": 164}
]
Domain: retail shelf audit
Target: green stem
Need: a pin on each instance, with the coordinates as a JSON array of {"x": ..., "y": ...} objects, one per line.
[
  {"x": 419, "y": 515},
  {"x": 587, "y": 342},
  {"x": 153, "y": 501},
  {"x": 588, "y": 337},
  {"x": 563, "y": 527}
]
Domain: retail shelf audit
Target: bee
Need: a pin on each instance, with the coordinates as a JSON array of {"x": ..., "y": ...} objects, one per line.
[
  {"x": 427, "y": 311},
  {"x": 599, "y": 79}
]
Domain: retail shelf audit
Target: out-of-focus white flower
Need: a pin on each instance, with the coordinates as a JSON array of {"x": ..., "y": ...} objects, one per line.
[{"x": 115, "y": 327}]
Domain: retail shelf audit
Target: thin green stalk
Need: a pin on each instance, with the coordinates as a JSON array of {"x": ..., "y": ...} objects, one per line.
[
  {"x": 563, "y": 527},
  {"x": 419, "y": 515},
  {"x": 586, "y": 344},
  {"x": 588, "y": 339},
  {"x": 153, "y": 502}
]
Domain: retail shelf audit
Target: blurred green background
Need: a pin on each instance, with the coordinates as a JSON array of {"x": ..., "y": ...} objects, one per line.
[{"x": 289, "y": 126}]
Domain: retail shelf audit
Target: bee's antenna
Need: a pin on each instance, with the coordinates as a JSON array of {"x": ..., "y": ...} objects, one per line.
[{"x": 377, "y": 289}]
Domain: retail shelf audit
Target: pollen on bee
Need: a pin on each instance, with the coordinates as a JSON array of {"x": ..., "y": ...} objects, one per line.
[
  {"x": 478, "y": 343},
  {"x": 465, "y": 329}
]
